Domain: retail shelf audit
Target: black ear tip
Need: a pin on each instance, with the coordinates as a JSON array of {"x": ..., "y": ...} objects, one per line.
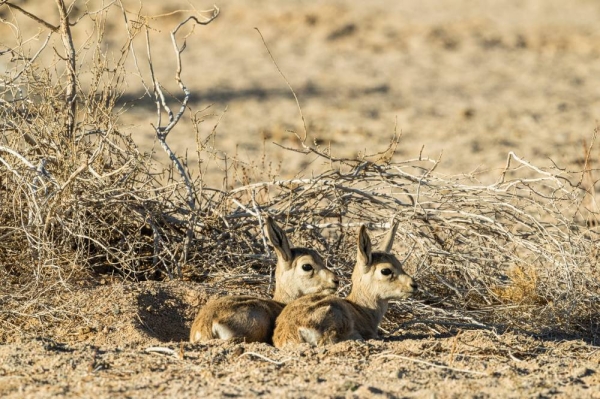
[
  {"x": 364, "y": 231},
  {"x": 272, "y": 225}
]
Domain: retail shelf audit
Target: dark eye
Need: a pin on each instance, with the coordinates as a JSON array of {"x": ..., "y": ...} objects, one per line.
[
  {"x": 386, "y": 272},
  {"x": 306, "y": 267}
]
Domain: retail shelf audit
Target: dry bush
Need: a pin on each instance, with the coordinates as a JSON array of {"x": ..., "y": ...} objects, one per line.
[{"x": 78, "y": 199}]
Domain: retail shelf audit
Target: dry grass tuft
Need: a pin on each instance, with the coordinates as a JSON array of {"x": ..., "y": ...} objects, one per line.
[{"x": 522, "y": 287}]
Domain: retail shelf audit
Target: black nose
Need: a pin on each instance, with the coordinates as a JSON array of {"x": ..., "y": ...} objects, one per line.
[
  {"x": 336, "y": 281},
  {"x": 414, "y": 286}
]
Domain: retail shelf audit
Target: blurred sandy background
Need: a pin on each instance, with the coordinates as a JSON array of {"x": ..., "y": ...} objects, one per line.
[{"x": 471, "y": 79}]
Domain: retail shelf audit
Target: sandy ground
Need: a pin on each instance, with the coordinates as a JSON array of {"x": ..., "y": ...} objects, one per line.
[
  {"x": 103, "y": 352},
  {"x": 467, "y": 80}
]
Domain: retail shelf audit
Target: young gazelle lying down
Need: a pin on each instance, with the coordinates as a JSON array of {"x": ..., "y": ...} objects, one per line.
[
  {"x": 299, "y": 271},
  {"x": 322, "y": 319}
]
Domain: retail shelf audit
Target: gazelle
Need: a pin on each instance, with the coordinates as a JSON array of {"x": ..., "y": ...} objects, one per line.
[
  {"x": 321, "y": 319},
  {"x": 299, "y": 271}
]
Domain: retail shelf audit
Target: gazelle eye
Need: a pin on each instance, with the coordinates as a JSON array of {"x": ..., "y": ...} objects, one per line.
[
  {"x": 386, "y": 271},
  {"x": 307, "y": 267}
]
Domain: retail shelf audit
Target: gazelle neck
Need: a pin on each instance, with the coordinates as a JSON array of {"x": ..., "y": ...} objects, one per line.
[
  {"x": 281, "y": 295},
  {"x": 370, "y": 308}
]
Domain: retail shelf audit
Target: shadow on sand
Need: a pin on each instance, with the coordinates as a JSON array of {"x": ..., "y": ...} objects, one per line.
[{"x": 162, "y": 316}]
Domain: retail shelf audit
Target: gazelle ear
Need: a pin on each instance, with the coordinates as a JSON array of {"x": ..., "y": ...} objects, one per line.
[
  {"x": 279, "y": 240},
  {"x": 388, "y": 242},
  {"x": 363, "y": 256}
]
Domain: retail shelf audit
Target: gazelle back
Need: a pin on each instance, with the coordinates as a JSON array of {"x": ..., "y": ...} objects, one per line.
[
  {"x": 299, "y": 271},
  {"x": 321, "y": 319}
]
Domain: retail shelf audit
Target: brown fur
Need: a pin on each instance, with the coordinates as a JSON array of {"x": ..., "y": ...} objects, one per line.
[
  {"x": 243, "y": 316},
  {"x": 321, "y": 319},
  {"x": 251, "y": 319}
]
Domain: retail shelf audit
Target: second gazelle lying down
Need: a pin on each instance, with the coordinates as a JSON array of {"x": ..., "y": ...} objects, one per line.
[
  {"x": 299, "y": 271},
  {"x": 322, "y": 319}
]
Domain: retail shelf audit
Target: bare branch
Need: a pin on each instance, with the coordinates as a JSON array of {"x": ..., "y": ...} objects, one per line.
[
  {"x": 71, "y": 90},
  {"x": 30, "y": 15}
]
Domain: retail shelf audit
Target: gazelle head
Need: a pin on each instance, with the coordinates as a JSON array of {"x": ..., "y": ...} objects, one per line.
[
  {"x": 299, "y": 271},
  {"x": 378, "y": 275}
]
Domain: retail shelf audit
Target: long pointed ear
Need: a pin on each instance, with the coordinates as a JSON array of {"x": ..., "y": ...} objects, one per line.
[
  {"x": 279, "y": 240},
  {"x": 388, "y": 241},
  {"x": 363, "y": 256}
]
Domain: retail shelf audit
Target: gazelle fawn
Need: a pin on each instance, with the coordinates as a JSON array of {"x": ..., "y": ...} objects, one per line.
[
  {"x": 322, "y": 319},
  {"x": 299, "y": 271}
]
